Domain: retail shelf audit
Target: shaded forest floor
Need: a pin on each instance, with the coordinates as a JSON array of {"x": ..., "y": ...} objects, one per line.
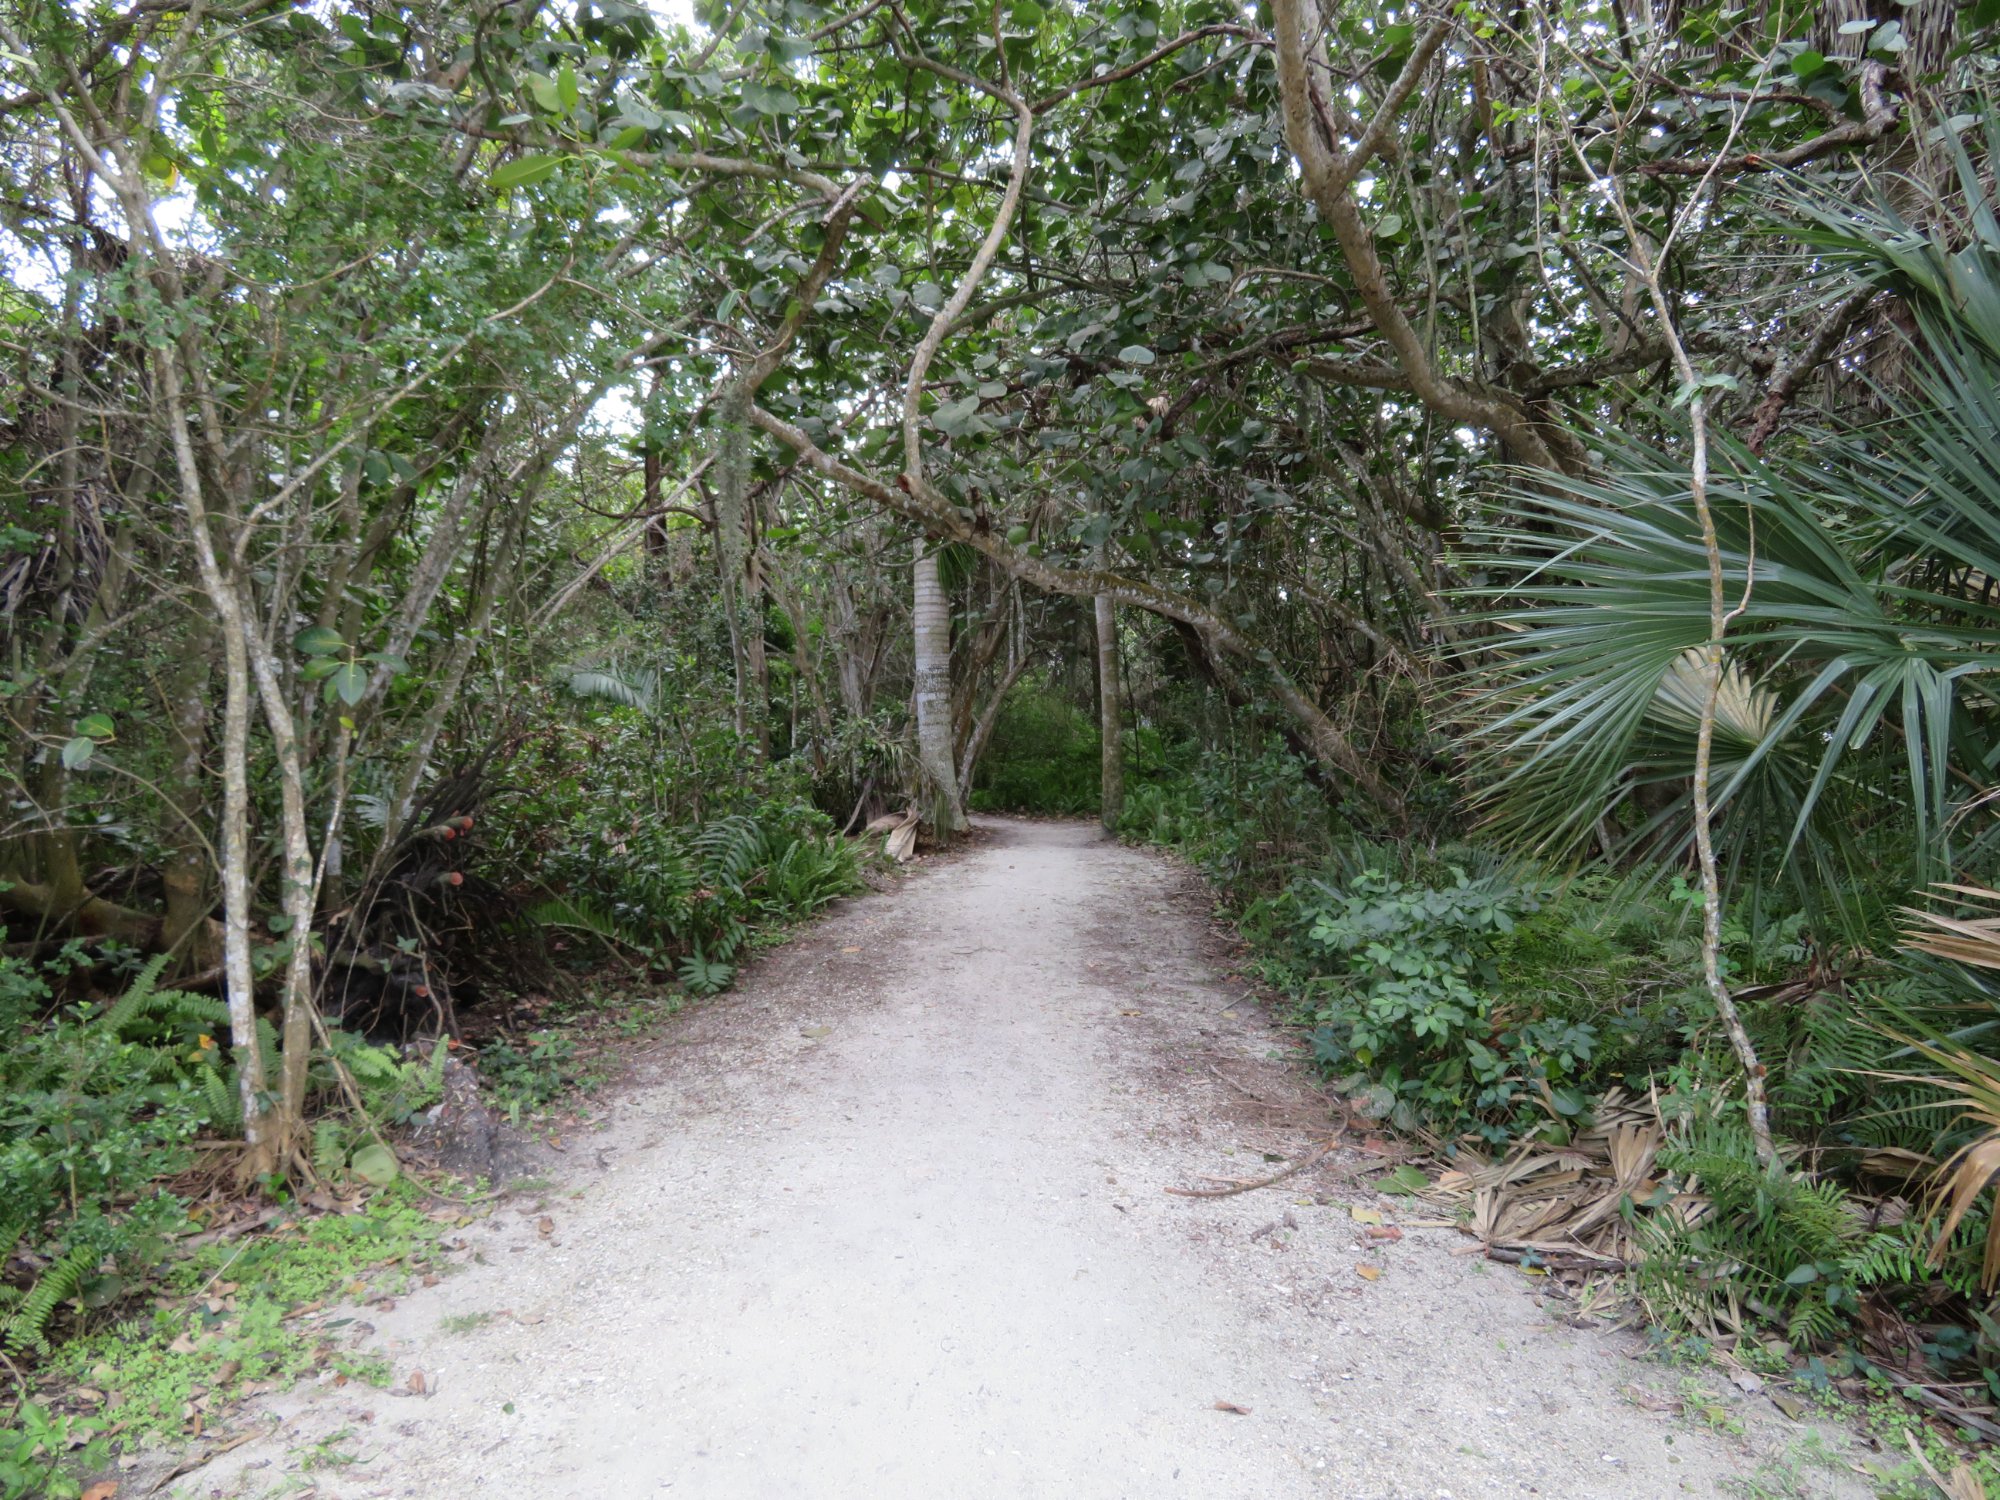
[{"x": 892, "y": 1220}]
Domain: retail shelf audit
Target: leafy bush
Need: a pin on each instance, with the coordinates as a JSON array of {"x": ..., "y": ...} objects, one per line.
[
  {"x": 95, "y": 1107},
  {"x": 35, "y": 1453},
  {"x": 1044, "y": 757},
  {"x": 1249, "y": 822},
  {"x": 689, "y": 897},
  {"x": 1460, "y": 991},
  {"x": 523, "y": 1079},
  {"x": 1409, "y": 993}
]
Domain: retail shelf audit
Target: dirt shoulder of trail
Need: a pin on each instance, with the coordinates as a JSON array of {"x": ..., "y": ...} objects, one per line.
[{"x": 894, "y": 1219}]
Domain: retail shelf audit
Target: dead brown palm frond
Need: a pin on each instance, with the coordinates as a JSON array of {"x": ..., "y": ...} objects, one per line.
[
  {"x": 1973, "y": 1082},
  {"x": 1566, "y": 1205},
  {"x": 1970, "y": 1079},
  {"x": 1974, "y": 941}
]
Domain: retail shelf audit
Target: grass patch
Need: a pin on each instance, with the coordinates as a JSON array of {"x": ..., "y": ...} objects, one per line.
[{"x": 235, "y": 1320}]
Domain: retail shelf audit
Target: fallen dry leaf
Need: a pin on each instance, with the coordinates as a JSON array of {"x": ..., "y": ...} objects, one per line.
[
  {"x": 416, "y": 1382},
  {"x": 1365, "y": 1215},
  {"x": 102, "y": 1491},
  {"x": 1231, "y": 1406},
  {"x": 1368, "y": 1273},
  {"x": 545, "y": 1224},
  {"x": 855, "y": 949},
  {"x": 1384, "y": 1233}
]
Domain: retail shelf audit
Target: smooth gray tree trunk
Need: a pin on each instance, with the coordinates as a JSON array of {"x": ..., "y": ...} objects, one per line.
[{"x": 1112, "y": 794}]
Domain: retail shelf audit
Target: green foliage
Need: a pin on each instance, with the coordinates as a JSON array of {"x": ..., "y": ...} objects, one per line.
[
  {"x": 156, "y": 1362},
  {"x": 657, "y": 847},
  {"x": 661, "y": 891},
  {"x": 1851, "y": 714},
  {"x": 1454, "y": 989},
  {"x": 1769, "y": 1244},
  {"x": 522, "y": 1080},
  {"x": 94, "y": 1109},
  {"x": 1044, "y": 756},
  {"x": 703, "y": 976},
  {"x": 27, "y": 1328},
  {"x": 1407, "y": 989},
  {"x": 41, "y": 1452},
  {"x": 1248, "y": 821}
]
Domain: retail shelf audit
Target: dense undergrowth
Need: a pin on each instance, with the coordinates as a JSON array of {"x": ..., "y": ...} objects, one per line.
[{"x": 614, "y": 876}]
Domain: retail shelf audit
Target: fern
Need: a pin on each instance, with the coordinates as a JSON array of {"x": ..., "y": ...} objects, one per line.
[
  {"x": 144, "y": 1001},
  {"x": 581, "y": 915},
  {"x": 330, "y": 1140},
  {"x": 222, "y": 1099},
  {"x": 27, "y": 1330},
  {"x": 1774, "y": 1244},
  {"x": 132, "y": 1004},
  {"x": 638, "y": 690},
  {"x": 729, "y": 850},
  {"x": 703, "y": 977}
]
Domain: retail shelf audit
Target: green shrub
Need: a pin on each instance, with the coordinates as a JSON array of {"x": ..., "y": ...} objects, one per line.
[
  {"x": 1248, "y": 822},
  {"x": 1408, "y": 993},
  {"x": 1045, "y": 757},
  {"x": 39, "y": 1449},
  {"x": 688, "y": 898},
  {"x": 95, "y": 1107}
]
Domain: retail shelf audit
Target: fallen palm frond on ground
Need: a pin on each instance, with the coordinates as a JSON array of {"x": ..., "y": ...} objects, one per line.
[
  {"x": 1567, "y": 1206},
  {"x": 901, "y": 828}
]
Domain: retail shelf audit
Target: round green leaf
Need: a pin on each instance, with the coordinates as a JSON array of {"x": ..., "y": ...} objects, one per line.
[
  {"x": 376, "y": 1163},
  {"x": 1136, "y": 354}
]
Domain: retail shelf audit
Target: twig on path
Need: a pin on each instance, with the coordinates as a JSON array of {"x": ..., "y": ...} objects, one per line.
[
  {"x": 208, "y": 1455},
  {"x": 1262, "y": 1182}
]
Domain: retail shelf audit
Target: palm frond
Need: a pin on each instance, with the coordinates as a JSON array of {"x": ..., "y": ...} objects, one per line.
[{"x": 638, "y": 689}]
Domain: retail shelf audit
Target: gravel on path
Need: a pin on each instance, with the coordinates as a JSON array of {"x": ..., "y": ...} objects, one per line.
[{"x": 890, "y": 1223}]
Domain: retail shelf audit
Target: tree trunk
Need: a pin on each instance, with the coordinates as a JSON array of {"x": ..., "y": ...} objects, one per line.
[
  {"x": 933, "y": 692},
  {"x": 982, "y": 730},
  {"x": 188, "y": 869},
  {"x": 1111, "y": 798}
]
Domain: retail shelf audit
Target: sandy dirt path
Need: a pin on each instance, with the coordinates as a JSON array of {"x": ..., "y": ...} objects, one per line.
[{"x": 890, "y": 1222}]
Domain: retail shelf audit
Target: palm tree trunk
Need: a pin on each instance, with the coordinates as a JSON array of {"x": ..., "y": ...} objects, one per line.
[{"x": 933, "y": 693}]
